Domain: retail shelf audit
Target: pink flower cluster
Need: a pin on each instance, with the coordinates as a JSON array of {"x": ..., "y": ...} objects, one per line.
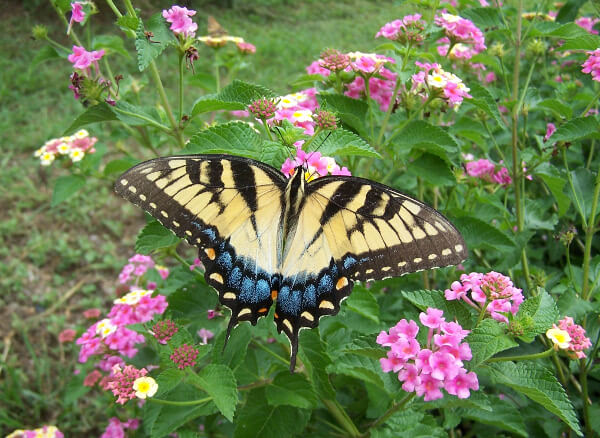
[
  {"x": 432, "y": 81},
  {"x": 82, "y": 59},
  {"x": 486, "y": 170},
  {"x": 164, "y": 330},
  {"x": 588, "y": 24},
  {"x": 138, "y": 265},
  {"x": 136, "y": 307},
  {"x": 592, "y": 65},
  {"x": 316, "y": 165},
  {"x": 381, "y": 88},
  {"x": 73, "y": 146},
  {"x": 41, "y": 432},
  {"x": 579, "y": 341},
  {"x": 181, "y": 23},
  {"x": 121, "y": 382},
  {"x": 77, "y": 15},
  {"x": 550, "y": 128},
  {"x": 104, "y": 336},
  {"x": 67, "y": 335},
  {"x": 245, "y": 47},
  {"x": 461, "y": 31},
  {"x": 439, "y": 365},
  {"x": 298, "y": 109},
  {"x": 184, "y": 356},
  {"x": 116, "y": 428},
  {"x": 408, "y": 29},
  {"x": 492, "y": 290}
]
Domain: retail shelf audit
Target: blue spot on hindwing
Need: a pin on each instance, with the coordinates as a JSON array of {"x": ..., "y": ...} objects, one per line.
[
  {"x": 349, "y": 262},
  {"x": 208, "y": 232},
  {"x": 289, "y": 301},
  {"x": 248, "y": 294},
  {"x": 325, "y": 284},
  {"x": 224, "y": 261},
  {"x": 309, "y": 299},
  {"x": 263, "y": 291},
  {"x": 235, "y": 278}
]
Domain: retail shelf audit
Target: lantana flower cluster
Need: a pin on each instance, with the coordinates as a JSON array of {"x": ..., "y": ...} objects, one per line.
[
  {"x": 463, "y": 38},
  {"x": 592, "y": 65},
  {"x": 181, "y": 23},
  {"x": 588, "y": 24},
  {"x": 184, "y": 356},
  {"x": 138, "y": 265},
  {"x": 570, "y": 337},
  {"x": 164, "y": 330},
  {"x": 487, "y": 171},
  {"x": 493, "y": 291},
  {"x": 298, "y": 109},
  {"x": 428, "y": 369},
  {"x": 41, "y": 432},
  {"x": 116, "y": 428},
  {"x": 432, "y": 81},
  {"x": 73, "y": 146},
  {"x": 316, "y": 165},
  {"x": 122, "y": 383},
  {"x": 406, "y": 30}
]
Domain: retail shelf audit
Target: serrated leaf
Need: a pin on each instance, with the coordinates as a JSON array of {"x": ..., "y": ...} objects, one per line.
[
  {"x": 102, "y": 112},
  {"x": 350, "y": 111},
  {"x": 154, "y": 236},
  {"x": 485, "y": 101},
  {"x": 584, "y": 42},
  {"x": 147, "y": 50},
  {"x": 582, "y": 192},
  {"x": 569, "y": 10},
  {"x": 167, "y": 381},
  {"x": 364, "y": 346},
  {"x": 46, "y": 53},
  {"x": 420, "y": 134},
  {"x": 315, "y": 359},
  {"x": 210, "y": 103},
  {"x": 569, "y": 303},
  {"x": 554, "y": 29},
  {"x": 479, "y": 234},
  {"x": 557, "y": 107},
  {"x": 257, "y": 419},
  {"x": 65, "y": 187},
  {"x": 362, "y": 368},
  {"x": 128, "y": 22},
  {"x": 343, "y": 143},
  {"x": 482, "y": 17},
  {"x": 237, "y": 346},
  {"x": 291, "y": 390},
  {"x": 244, "y": 92},
  {"x": 576, "y": 129},
  {"x": 477, "y": 399},
  {"x": 110, "y": 43},
  {"x": 436, "y": 298},
  {"x": 542, "y": 309},
  {"x": 133, "y": 115},
  {"x": 487, "y": 339},
  {"x": 555, "y": 183},
  {"x": 433, "y": 170},
  {"x": 504, "y": 416},
  {"x": 229, "y": 138},
  {"x": 273, "y": 153},
  {"x": 540, "y": 385},
  {"x": 363, "y": 302},
  {"x": 219, "y": 382}
]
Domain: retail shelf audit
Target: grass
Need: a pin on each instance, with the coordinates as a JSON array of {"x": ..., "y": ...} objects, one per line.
[{"x": 48, "y": 251}]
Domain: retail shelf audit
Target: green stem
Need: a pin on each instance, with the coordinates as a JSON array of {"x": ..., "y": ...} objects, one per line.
[
  {"x": 115, "y": 10},
  {"x": 165, "y": 101},
  {"x": 387, "y": 414},
  {"x": 493, "y": 137},
  {"x": 586, "y": 401},
  {"x": 180, "y": 403},
  {"x": 572, "y": 186},
  {"x": 217, "y": 75},
  {"x": 590, "y": 105},
  {"x": 144, "y": 118},
  {"x": 342, "y": 417},
  {"x": 589, "y": 235},
  {"x": 268, "y": 131},
  {"x": 482, "y": 313},
  {"x": 130, "y": 8},
  {"x": 534, "y": 356},
  {"x": 409, "y": 119},
  {"x": 181, "y": 63},
  {"x": 559, "y": 368}
]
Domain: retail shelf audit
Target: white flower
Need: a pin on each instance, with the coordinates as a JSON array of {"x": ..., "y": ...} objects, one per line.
[
  {"x": 76, "y": 155},
  {"x": 560, "y": 337},
  {"x": 82, "y": 133},
  {"x": 145, "y": 387},
  {"x": 133, "y": 297},
  {"x": 39, "y": 152},
  {"x": 63, "y": 148},
  {"x": 450, "y": 18},
  {"x": 47, "y": 158},
  {"x": 437, "y": 80},
  {"x": 302, "y": 116},
  {"x": 105, "y": 327}
]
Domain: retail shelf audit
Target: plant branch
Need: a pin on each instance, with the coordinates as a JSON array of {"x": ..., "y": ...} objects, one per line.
[{"x": 534, "y": 356}]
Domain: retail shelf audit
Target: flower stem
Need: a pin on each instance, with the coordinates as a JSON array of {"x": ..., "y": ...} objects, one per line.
[
  {"x": 181, "y": 62},
  {"x": 586, "y": 401},
  {"x": 165, "y": 101},
  {"x": 342, "y": 417},
  {"x": 534, "y": 356},
  {"x": 590, "y": 105},
  {"x": 392, "y": 410},
  {"x": 589, "y": 235},
  {"x": 180, "y": 403},
  {"x": 482, "y": 313}
]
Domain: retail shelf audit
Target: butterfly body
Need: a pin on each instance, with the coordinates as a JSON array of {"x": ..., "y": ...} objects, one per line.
[{"x": 266, "y": 239}]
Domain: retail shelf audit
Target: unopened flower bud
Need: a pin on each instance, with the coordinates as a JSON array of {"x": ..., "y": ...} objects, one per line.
[
  {"x": 325, "y": 120},
  {"x": 497, "y": 49},
  {"x": 262, "y": 108},
  {"x": 40, "y": 32},
  {"x": 535, "y": 49},
  {"x": 515, "y": 328}
]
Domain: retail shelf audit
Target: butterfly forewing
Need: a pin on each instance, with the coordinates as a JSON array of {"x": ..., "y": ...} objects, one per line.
[{"x": 230, "y": 208}]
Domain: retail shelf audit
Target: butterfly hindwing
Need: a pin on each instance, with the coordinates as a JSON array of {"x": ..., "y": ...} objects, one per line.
[
  {"x": 352, "y": 229},
  {"x": 229, "y": 207}
]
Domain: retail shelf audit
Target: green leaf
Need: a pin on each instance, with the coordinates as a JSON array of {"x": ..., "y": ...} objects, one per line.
[
  {"x": 128, "y": 22},
  {"x": 482, "y": 17},
  {"x": 436, "y": 298},
  {"x": 363, "y": 302},
  {"x": 432, "y": 139},
  {"x": 316, "y": 360},
  {"x": 576, "y": 129},
  {"x": 342, "y": 143},
  {"x": 46, "y": 53},
  {"x": 229, "y": 138},
  {"x": 504, "y": 415},
  {"x": 569, "y": 303},
  {"x": 154, "y": 236},
  {"x": 555, "y": 183},
  {"x": 219, "y": 382},
  {"x": 148, "y": 51},
  {"x": 364, "y": 346},
  {"x": 167, "y": 381},
  {"x": 134, "y": 115},
  {"x": 483, "y": 100},
  {"x": 559, "y": 30},
  {"x": 209, "y": 103},
  {"x": 273, "y": 153},
  {"x": 205, "y": 81},
  {"x": 540, "y": 385},
  {"x": 244, "y": 92},
  {"x": 479, "y": 234},
  {"x": 582, "y": 192},
  {"x": 584, "y": 42},
  {"x": 569, "y": 10},
  {"x": 538, "y": 216},
  {"x": 119, "y": 165},
  {"x": 234, "y": 354},
  {"x": 257, "y": 419},
  {"x": 350, "y": 111},
  {"x": 557, "y": 107},
  {"x": 110, "y": 43},
  {"x": 541, "y": 309},
  {"x": 65, "y": 187},
  {"x": 291, "y": 390},
  {"x": 433, "y": 170},
  {"x": 363, "y": 368},
  {"x": 487, "y": 339},
  {"x": 102, "y": 112}
]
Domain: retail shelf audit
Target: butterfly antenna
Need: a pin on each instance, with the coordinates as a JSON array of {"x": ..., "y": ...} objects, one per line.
[
  {"x": 283, "y": 142},
  {"x": 319, "y": 147}
]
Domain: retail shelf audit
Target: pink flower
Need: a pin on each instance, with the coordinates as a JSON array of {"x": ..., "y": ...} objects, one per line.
[
  {"x": 592, "y": 65},
  {"x": 77, "y": 15},
  {"x": 489, "y": 78},
  {"x": 406, "y": 348},
  {"x": 588, "y": 24},
  {"x": 67, "y": 335},
  {"x": 82, "y": 59},
  {"x": 245, "y": 47},
  {"x": 184, "y": 356},
  {"x": 430, "y": 387},
  {"x": 116, "y": 428},
  {"x": 410, "y": 376},
  {"x": 579, "y": 341},
  {"x": 197, "y": 263},
  {"x": 315, "y": 69},
  {"x": 550, "y": 128},
  {"x": 409, "y": 29},
  {"x": 391, "y": 363},
  {"x": 213, "y": 313},
  {"x": 164, "y": 330},
  {"x": 456, "y": 291},
  {"x": 205, "y": 335},
  {"x": 92, "y": 378},
  {"x": 433, "y": 318},
  {"x": 121, "y": 382},
  {"x": 462, "y": 383},
  {"x": 461, "y": 30},
  {"x": 443, "y": 366},
  {"x": 181, "y": 23}
]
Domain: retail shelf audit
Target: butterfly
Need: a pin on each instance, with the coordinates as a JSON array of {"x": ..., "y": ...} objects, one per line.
[
  {"x": 214, "y": 28},
  {"x": 264, "y": 238}
]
